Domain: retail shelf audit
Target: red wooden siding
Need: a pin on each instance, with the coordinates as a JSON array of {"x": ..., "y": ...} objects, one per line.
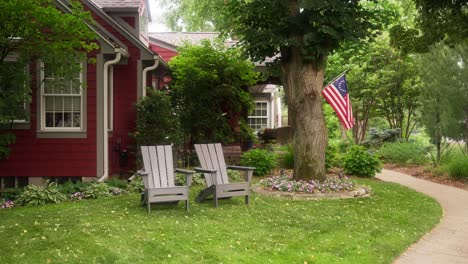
[
  {"x": 32, "y": 156},
  {"x": 130, "y": 21},
  {"x": 125, "y": 97},
  {"x": 166, "y": 54}
]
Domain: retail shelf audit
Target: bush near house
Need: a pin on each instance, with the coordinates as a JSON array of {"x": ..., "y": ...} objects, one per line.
[{"x": 263, "y": 161}]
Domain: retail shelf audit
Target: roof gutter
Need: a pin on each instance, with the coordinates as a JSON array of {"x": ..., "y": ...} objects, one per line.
[
  {"x": 118, "y": 56},
  {"x": 145, "y": 73}
]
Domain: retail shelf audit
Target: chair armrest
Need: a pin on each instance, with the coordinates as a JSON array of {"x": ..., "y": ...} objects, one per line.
[
  {"x": 142, "y": 172},
  {"x": 184, "y": 171},
  {"x": 242, "y": 168},
  {"x": 248, "y": 171},
  {"x": 198, "y": 169},
  {"x": 188, "y": 176}
]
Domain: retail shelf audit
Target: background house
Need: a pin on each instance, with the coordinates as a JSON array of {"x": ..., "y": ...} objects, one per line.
[
  {"x": 82, "y": 132},
  {"x": 267, "y": 99}
]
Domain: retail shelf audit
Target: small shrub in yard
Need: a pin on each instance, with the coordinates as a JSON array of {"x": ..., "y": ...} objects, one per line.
[
  {"x": 287, "y": 184},
  {"x": 458, "y": 168},
  {"x": 6, "y": 204},
  {"x": 263, "y": 161},
  {"x": 359, "y": 162},
  {"x": 404, "y": 153},
  {"x": 96, "y": 190},
  {"x": 136, "y": 185},
  {"x": 115, "y": 182},
  {"x": 70, "y": 187},
  {"x": 38, "y": 195}
]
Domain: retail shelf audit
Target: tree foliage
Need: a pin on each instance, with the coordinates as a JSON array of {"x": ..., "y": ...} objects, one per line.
[
  {"x": 209, "y": 88},
  {"x": 383, "y": 82},
  {"x": 445, "y": 95},
  {"x": 35, "y": 30},
  {"x": 157, "y": 123},
  {"x": 437, "y": 20},
  {"x": 304, "y": 33}
]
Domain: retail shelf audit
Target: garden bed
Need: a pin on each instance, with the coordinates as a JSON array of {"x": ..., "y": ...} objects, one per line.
[
  {"x": 334, "y": 187},
  {"x": 421, "y": 172}
]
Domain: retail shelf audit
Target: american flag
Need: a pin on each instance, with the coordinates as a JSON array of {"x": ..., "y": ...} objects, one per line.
[{"x": 336, "y": 94}]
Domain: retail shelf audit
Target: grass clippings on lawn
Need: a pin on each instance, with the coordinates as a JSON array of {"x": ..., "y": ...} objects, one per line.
[{"x": 270, "y": 230}]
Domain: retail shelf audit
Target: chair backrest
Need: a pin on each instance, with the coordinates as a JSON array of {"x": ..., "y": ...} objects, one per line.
[
  {"x": 211, "y": 157},
  {"x": 158, "y": 163}
]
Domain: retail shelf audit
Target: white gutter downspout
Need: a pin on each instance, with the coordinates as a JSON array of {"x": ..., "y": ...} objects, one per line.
[
  {"x": 145, "y": 72},
  {"x": 118, "y": 56}
]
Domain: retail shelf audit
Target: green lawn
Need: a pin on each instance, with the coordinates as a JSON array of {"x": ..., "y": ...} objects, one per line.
[{"x": 270, "y": 230}]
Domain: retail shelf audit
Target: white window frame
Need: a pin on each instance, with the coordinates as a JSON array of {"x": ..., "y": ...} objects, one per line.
[
  {"x": 43, "y": 106},
  {"x": 258, "y": 117}
]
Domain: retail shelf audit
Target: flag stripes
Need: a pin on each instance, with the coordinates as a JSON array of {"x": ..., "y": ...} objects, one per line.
[{"x": 337, "y": 96}]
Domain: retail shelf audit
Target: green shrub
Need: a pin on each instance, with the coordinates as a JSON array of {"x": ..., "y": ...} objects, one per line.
[
  {"x": 376, "y": 138},
  {"x": 359, "y": 162},
  {"x": 235, "y": 176},
  {"x": 458, "y": 168},
  {"x": 156, "y": 121},
  {"x": 70, "y": 187},
  {"x": 116, "y": 182},
  {"x": 288, "y": 157},
  {"x": 331, "y": 156},
  {"x": 404, "y": 153},
  {"x": 262, "y": 160},
  {"x": 38, "y": 195},
  {"x": 136, "y": 185},
  {"x": 96, "y": 190}
]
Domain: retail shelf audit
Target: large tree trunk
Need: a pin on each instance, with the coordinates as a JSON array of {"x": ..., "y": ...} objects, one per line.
[{"x": 304, "y": 82}]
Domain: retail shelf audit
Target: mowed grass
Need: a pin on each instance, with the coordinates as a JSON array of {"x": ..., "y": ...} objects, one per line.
[{"x": 270, "y": 230}]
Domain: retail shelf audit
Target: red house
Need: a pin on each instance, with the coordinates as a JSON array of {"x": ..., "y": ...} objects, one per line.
[{"x": 83, "y": 133}]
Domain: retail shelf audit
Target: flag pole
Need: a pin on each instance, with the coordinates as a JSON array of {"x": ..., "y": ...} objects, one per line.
[{"x": 341, "y": 74}]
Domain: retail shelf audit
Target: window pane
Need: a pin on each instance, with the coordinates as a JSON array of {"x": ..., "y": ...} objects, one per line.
[
  {"x": 9, "y": 182},
  {"x": 76, "y": 87},
  {"x": 67, "y": 103},
  {"x": 58, "y": 117},
  {"x": 76, "y": 103},
  {"x": 49, "y": 103},
  {"x": 49, "y": 86},
  {"x": 49, "y": 119},
  {"x": 76, "y": 119},
  {"x": 67, "y": 119}
]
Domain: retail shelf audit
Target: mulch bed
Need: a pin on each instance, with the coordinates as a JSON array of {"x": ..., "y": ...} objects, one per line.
[{"x": 421, "y": 173}]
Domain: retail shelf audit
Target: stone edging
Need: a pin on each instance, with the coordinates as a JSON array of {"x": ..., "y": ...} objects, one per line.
[{"x": 362, "y": 191}]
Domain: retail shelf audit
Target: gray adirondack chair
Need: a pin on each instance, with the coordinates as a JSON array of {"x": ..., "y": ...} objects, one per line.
[
  {"x": 158, "y": 177},
  {"x": 214, "y": 170}
]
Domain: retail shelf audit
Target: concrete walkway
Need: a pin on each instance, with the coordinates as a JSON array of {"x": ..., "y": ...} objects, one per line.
[{"x": 447, "y": 243}]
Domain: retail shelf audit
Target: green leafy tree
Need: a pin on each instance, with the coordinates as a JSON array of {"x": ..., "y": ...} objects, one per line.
[
  {"x": 210, "y": 90},
  {"x": 436, "y": 20},
  {"x": 36, "y": 30},
  {"x": 304, "y": 33},
  {"x": 157, "y": 123},
  {"x": 445, "y": 94}
]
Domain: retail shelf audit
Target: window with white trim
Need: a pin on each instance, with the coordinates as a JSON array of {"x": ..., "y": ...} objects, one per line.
[
  {"x": 61, "y": 99},
  {"x": 258, "y": 118}
]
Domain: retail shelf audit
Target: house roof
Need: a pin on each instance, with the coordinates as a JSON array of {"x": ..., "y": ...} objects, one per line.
[
  {"x": 171, "y": 40},
  {"x": 117, "y": 4},
  {"x": 148, "y": 53},
  {"x": 264, "y": 88},
  {"x": 178, "y": 38}
]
